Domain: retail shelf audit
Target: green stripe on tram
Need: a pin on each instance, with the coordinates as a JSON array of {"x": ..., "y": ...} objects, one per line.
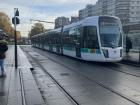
[
  {"x": 84, "y": 50},
  {"x": 87, "y": 50}
]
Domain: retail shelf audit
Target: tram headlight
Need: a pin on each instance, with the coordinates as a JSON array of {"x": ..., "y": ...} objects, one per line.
[{"x": 105, "y": 53}]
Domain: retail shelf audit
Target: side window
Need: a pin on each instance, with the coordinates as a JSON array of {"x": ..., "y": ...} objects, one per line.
[
  {"x": 66, "y": 33},
  {"x": 72, "y": 36},
  {"x": 79, "y": 36},
  {"x": 78, "y": 31},
  {"x": 72, "y": 31},
  {"x": 90, "y": 37},
  {"x": 66, "y": 37}
]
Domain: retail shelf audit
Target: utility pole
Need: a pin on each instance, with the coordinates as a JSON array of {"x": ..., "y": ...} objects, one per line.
[{"x": 15, "y": 21}]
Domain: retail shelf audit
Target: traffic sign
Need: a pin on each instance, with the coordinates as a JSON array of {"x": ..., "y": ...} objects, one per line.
[{"x": 15, "y": 20}]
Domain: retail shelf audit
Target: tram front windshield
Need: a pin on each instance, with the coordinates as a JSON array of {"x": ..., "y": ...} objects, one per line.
[{"x": 110, "y": 32}]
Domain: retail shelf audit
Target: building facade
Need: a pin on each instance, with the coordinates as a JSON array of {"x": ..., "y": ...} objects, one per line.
[
  {"x": 61, "y": 21},
  {"x": 122, "y": 9},
  {"x": 134, "y": 11},
  {"x": 127, "y": 10},
  {"x": 88, "y": 11},
  {"x": 74, "y": 19}
]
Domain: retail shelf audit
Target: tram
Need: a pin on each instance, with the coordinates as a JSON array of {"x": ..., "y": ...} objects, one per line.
[{"x": 96, "y": 38}]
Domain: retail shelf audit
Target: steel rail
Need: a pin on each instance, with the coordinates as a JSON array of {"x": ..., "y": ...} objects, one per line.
[
  {"x": 56, "y": 82},
  {"x": 98, "y": 83}
]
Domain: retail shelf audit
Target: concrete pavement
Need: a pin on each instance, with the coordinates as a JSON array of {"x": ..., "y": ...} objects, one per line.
[
  {"x": 11, "y": 92},
  {"x": 132, "y": 58}
]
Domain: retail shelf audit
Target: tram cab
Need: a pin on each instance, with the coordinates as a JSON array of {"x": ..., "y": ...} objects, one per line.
[{"x": 110, "y": 32}]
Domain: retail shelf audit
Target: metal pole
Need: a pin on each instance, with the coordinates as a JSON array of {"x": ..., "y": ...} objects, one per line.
[
  {"x": 15, "y": 39},
  {"x": 62, "y": 39},
  {"x": 62, "y": 26},
  {"x": 139, "y": 53}
]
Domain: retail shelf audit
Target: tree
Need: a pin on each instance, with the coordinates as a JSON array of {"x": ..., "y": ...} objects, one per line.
[
  {"x": 5, "y": 24},
  {"x": 18, "y": 34},
  {"x": 37, "y": 29}
]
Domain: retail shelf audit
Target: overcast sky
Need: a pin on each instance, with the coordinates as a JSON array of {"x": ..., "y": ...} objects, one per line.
[{"x": 46, "y": 10}]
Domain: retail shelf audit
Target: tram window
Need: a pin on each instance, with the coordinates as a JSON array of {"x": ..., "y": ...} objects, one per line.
[
  {"x": 72, "y": 31},
  {"x": 65, "y": 33},
  {"x": 78, "y": 31},
  {"x": 75, "y": 31},
  {"x": 90, "y": 37},
  {"x": 65, "y": 37},
  {"x": 72, "y": 36}
]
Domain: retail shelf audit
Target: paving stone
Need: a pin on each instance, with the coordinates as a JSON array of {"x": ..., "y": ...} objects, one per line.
[{"x": 10, "y": 89}]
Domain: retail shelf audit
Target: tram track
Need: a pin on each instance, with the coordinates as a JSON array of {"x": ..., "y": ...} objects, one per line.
[
  {"x": 113, "y": 69},
  {"x": 55, "y": 81},
  {"x": 92, "y": 80},
  {"x": 118, "y": 70},
  {"x": 128, "y": 73},
  {"x": 99, "y": 83}
]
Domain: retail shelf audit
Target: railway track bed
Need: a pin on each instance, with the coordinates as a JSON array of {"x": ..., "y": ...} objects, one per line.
[{"x": 86, "y": 88}]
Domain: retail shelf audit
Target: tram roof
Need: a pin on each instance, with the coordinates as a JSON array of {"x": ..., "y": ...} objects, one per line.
[{"x": 88, "y": 20}]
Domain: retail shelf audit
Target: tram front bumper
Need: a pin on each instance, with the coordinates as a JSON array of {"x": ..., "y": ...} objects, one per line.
[{"x": 113, "y": 59}]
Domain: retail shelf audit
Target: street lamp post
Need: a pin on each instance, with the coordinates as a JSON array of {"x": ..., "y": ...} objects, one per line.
[{"x": 15, "y": 21}]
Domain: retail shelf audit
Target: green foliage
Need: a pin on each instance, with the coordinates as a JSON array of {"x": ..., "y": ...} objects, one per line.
[
  {"x": 37, "y": 29},
  {"x": 5, "y": 24}
]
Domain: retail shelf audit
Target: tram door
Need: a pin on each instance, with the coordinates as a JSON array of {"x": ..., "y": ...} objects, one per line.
[{"x": 78, "y": 51}]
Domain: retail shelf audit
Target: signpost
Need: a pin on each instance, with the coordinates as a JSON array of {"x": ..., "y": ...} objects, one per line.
[{"x": 15, "y": 21}]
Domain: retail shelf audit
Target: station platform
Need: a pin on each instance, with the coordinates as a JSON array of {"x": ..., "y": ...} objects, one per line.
[{"x": 19, "y": 86}]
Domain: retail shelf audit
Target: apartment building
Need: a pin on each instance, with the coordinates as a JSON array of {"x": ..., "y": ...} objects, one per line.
[
  {"x": 127, "y": 10},
  {"x": 61, "y": 21},
  {"x": 74, "y": 19},
  {"x": 88, "y": 11},
  {"x": 134, "y": 11}
]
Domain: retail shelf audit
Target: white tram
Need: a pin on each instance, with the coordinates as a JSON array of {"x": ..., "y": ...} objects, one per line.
[{"x": 96, "y": 38}]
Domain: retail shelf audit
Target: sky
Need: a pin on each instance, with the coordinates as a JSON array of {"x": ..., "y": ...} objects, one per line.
[{"x": 46, "y": 10}]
